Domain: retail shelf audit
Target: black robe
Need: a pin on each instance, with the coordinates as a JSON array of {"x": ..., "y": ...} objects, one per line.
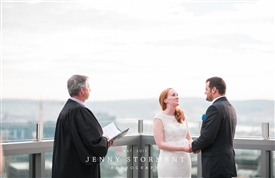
[{"x": 78, "y": 143}]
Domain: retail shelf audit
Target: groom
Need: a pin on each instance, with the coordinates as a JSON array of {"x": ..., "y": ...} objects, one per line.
[{"x": 217, "y": 133}]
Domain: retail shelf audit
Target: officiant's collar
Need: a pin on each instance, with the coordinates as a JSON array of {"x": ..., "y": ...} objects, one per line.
[{"x": 77, "y": 100}]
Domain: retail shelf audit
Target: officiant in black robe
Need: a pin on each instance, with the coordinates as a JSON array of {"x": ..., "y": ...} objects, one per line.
[{"x": 78, "y": 142}]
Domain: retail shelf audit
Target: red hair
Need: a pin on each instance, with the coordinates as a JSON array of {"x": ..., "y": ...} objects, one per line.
[{"x": 179, "y": 114}]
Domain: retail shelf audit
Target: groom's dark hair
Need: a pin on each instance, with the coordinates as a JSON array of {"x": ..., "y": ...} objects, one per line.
[{"x": 217, "y": 82}]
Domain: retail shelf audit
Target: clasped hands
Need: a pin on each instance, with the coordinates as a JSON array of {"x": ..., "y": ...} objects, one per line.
[{"x": 190, "y": 149}]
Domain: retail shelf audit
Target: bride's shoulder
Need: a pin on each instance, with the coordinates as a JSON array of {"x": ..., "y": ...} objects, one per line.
[
  {"x": 163, "y": 117},
  {"x": 159, "y": 115}
]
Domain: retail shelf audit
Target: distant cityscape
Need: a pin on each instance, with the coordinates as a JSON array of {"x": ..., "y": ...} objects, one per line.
[{"x": 250, "y": 113}]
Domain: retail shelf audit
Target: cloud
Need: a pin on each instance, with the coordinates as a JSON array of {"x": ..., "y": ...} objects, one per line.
[
  {"x": 202, "y": 8},
  {"x": 136, "y": 48}
]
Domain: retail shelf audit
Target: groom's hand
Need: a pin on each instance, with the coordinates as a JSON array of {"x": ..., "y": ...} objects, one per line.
[
  {"x": 197, "y": 151},
  {"x": 194, "y": 152}
]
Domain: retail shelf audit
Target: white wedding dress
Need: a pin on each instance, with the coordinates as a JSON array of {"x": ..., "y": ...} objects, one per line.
[{"x": 173, "y": 163}]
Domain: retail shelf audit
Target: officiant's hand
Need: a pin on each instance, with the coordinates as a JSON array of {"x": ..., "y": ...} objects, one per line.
[{"x": 110, "y": 143}]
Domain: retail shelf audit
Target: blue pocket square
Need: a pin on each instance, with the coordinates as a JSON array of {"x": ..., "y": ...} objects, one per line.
[{"x": 203, "y": 117}]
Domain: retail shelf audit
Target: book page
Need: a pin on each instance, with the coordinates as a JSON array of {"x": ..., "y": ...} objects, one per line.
[{"x": 111, "y": 130}]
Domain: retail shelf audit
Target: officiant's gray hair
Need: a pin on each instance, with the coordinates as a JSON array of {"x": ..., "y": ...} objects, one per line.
[{"x": 75, "y": 83}]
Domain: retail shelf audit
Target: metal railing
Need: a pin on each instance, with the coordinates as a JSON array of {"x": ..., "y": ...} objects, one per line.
[{"x": 37, "y": 149}]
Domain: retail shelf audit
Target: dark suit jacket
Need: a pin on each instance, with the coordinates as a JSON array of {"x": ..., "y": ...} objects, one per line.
[
  {"x": 78, "y": 143},
  {"x": 216, "y": 140}
]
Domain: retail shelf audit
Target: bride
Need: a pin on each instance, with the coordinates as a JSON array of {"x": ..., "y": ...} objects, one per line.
[{"x": 172, "y": 137}]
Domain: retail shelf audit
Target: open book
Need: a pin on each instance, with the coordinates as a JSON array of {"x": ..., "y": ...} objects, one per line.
[{"x": 113, "y": 132}]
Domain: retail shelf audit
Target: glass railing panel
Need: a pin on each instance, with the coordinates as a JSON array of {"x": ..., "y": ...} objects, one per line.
[
  {"x": 248, "y": 130},
  {"x": 48, "y": 131},
  {"x": 194, "y": 163},
  {"x": 114, "y": 163},
  {"x": 12, "y": 132},
  {"x": 248, "y": 163},
  {"x": 272, "y": 130},
  {"x": 48, "y": 164},
  {"x": 194, "y": 127},
  {"x": 148, "y": 126},
  {"x": 252, "y": 130},
  {"x": 154, "y": 164},
  {"x": 243, "y": 130},
  {"x": 16, "y": 166},
  {"x": 27, "y": 132}
]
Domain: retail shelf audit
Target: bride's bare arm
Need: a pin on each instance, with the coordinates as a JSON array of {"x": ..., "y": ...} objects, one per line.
[
  {"x": 188, "y": 135},
  {"x": 189, "y": 138},
  {"x": 159, "y": 139}
]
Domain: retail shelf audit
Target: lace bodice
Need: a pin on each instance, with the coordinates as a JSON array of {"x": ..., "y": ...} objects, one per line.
[
  {"x": 174, "y": 132},
  {"x": 173, "y": 164}
]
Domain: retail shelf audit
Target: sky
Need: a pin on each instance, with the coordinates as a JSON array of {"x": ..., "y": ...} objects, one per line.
[{"x": 135, "y": 49}]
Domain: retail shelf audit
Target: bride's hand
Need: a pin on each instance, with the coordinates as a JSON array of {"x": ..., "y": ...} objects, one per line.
[{"x": 187, "y": 149}]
